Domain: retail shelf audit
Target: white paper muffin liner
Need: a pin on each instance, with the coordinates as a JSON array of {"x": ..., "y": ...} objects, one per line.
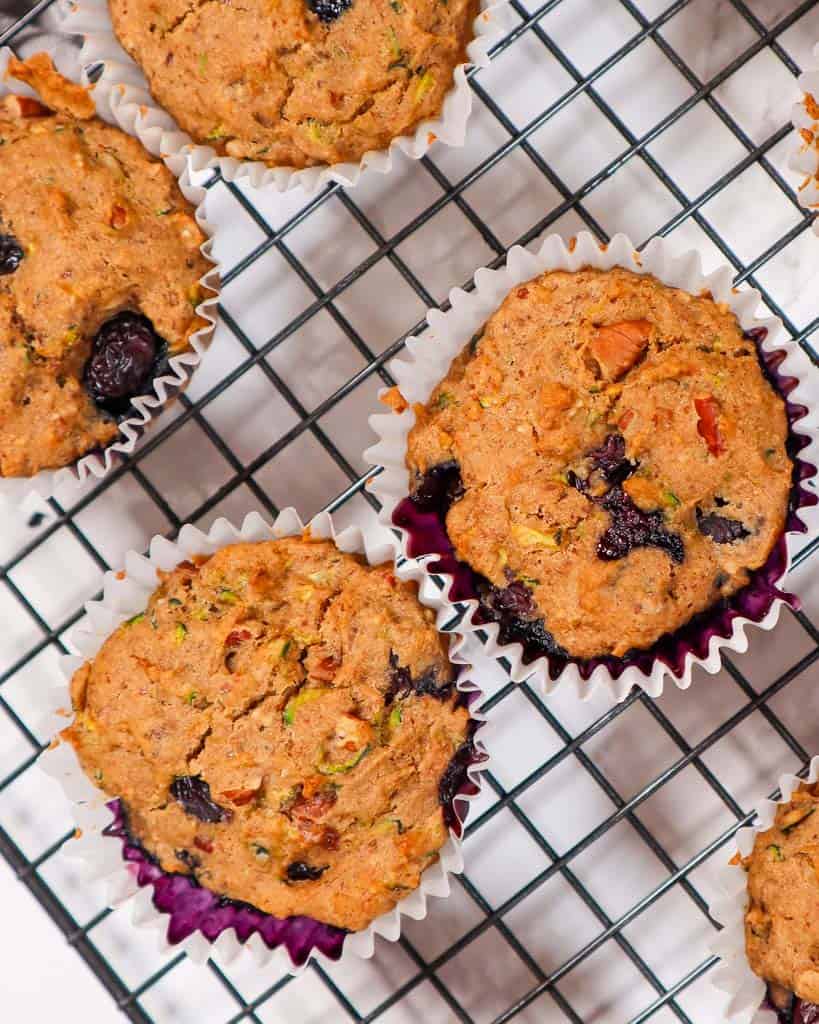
[
  {"x": 123, "y": 82},
  {"x": 99, "y": 463},
  {"x": 805, "y": 158},
  {"x": 126, "y": 594},
  {"x": 428, "y": 360},
  {"x": 734, "y": 975}
]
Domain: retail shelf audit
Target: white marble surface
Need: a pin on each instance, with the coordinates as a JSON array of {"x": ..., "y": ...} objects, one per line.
[{"x": 553, "y": 923}]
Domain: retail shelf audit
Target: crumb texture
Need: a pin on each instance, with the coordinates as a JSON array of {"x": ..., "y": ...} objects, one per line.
[
  {"x": 297, "y": 83},
  {"x": 282, "y": 723},
  {"x": 781, "y": 922},
  {"x": 87, "y": 217},
  {"x": 615, "y": 454}
]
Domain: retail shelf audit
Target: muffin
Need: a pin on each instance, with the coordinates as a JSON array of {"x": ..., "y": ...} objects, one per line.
[
  {"x": 87, "y": 319},
  {"x": 303, "y": 82},
  {"x": 606, "y": 460},
  {"x": 280, "y": 724},
  {"x": 782, "y": 916}
]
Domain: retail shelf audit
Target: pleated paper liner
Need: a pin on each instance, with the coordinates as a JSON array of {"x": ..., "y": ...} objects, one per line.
[
  {"x": 98, "y": 463},
  {"x": 182, "y": 913},
  {"x": 427, "y": 361},
  {"x": 123, "y": 81}
]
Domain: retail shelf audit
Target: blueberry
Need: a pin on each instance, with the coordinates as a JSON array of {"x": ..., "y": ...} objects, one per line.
[
  {"x": 11, "y": 254},
  {"x": 298, "y": 871},
  {"x": 194, "y": 794},
  {"x": 632, "y": 528},
  {"x": 329, "y": 10},
  {"x": 611, "y": 459},
  {"x": 720, "y": 529},
  {"x": 190, "y": 860},
  {"x": 513, "y": 601},
  {"x": 426, "y": 685},
  {"x": 515, "y": 612},
  {"x": 577, "y": 482},
  {"x": 439, "y": 488},
  {"x": 122, "y": 361}
]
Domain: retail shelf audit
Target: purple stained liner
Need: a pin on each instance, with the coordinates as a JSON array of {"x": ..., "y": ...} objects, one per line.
[
  {"x": 426, "y": 532},
  {"x": 193, "y": 908},
  {"x": 793, "y": 1010}
]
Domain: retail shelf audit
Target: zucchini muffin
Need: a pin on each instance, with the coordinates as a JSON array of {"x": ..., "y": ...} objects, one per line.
[
  {"x": 782, "y": 918},
  {"x": 282, "y": 724},
  {"x": 608, "y": 459},
  {"x": 299, "y": 82},
  {"x": 87, "y": 217}
]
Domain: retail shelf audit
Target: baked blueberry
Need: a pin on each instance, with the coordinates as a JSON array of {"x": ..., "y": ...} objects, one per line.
[
  {"x": 298, "y": 871},
  {"x": 631, "y": 528},
  {"x": 600, "y": 409},
  {"x": 116, "y": 232},
  {"x": 428, "y": 684},
  {"x": 611, "y": 459},
  {"x": 513, "y": 608},
  {"x": 123, "y": 357},
  {"x": 439, "y": 488},
  {"x": 11, "y": 254},
  {"x": 193, "y": 793},
  {"x": 329, "y": 10},
  {"x": 302, "y": 762},
  {"x": 720, "y": 529}
]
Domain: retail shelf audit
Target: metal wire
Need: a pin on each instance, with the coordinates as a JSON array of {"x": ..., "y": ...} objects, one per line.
[{"x": 574, "y": 748}]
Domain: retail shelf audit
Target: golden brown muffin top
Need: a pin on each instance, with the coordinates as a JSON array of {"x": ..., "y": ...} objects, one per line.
[
  {"x": 298, "y": 82},
  {"x": 621, "y": 456},
  {"x": 278, "y": 723},
  {"x": 782, "y": 918},
  {"x": 87, "y": 217}
]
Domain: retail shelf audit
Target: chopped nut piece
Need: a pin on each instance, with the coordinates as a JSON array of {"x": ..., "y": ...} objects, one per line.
[
  {"x": 57, "y": 92},
  {"x": 617, "y": 347},
  {"x": 118, "y": 217}
]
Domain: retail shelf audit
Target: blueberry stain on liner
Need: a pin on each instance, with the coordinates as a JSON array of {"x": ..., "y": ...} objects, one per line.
[
  {"x": 425, "y": 524},
  {"x": 789, "y": 1009},
  {"x": 191, "y": 907}
]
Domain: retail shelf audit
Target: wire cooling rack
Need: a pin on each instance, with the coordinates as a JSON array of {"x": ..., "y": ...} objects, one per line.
[{"x": 589, "y": 853}]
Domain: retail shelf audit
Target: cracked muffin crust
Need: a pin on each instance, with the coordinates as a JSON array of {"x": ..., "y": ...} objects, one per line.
[
  {"x": 607, "y": 457},
  {"x": 86, "y": 218},
  {"x": 782, "y": 917},
  {"x": 282, "y": 723},
  {"x": 299, "y": 82}
]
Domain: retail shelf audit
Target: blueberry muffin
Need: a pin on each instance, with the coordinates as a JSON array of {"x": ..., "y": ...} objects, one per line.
[
  {"x": 782, "y": 917},
  {"x": 87, "y": 320},
  {"x": 281, "y": 723},
  {"x": 300, "y": 82},
  {"x": 607, "y": 458}
]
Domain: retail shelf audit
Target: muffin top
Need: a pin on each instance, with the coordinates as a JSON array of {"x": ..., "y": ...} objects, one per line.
[
  {"x": 281, "y": 722},
  {"x": 298, "y": 82},
  {"x": 86, "y": 218},
  {"x": 609, "y": 457},
  {"x": 782, "y": 917}
]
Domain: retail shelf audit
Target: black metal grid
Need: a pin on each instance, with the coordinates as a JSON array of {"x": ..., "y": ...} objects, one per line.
[{"x": 532, "y": 24}]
